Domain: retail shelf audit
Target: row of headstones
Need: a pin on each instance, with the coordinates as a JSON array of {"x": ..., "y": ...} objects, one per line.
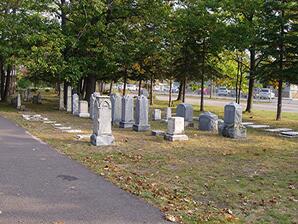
[{"x": 17, "y": 100}]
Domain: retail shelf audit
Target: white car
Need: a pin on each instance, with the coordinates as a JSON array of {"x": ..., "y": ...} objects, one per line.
[
  {"x": 223, "y": 91},
  {"x": 131, "y": 87},
  {"x": 266, "y": 94}
]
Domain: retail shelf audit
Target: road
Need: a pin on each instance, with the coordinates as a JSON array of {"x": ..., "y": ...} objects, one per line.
[
  {"x": 40, "y": 186},
  {"x": 288, "y": 105}
]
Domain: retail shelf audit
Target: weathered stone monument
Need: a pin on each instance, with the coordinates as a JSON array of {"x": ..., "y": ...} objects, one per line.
[
  {"x": 145, "y": 92},
  {"x": 168, "y": 114},
  {"x": 19, "y": 101},
  {"x": 61, "y": 97},
  {"x": 175, "y": 130},
  {"x": 92, "y": 103},
  {"x": 116, "y": 108},
  {"x": 142, "y": 111},
  {"x": 156, "y": 115},
  {"x": 232, "y": 126},
  {"x": 75, "y": 104},
  {"x": 69, "y": 101},
  {"x": 127, "y": 116},
  {"x": 186, "y": 111},
  {"x": 83, "y": 109},
  {"x": 208, "y": 122},
  {"x": 37, "y": 99},
  {"x": 102, "y": 122}
]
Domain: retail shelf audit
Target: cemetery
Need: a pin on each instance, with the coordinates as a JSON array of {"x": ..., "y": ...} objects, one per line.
[
  {"x": 200, "y": 162},
  {"x": 153, "y": 112}
]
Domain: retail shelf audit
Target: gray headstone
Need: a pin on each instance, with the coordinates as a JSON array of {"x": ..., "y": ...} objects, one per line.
[
  {"x": 142, "y": 110},
  {"x": 168, "y": 114},
  {"x": 232, "y": 126},
  {"x": 116, "y": 108},
  {"x": 186, "y": 111},
  {"x": 61, "y": 97},
  {"x": 208, "y": 122},
  {"x": 145, "y": 92},
  {"x": 75, "y": 104},
  {"x": 102, "y": 122},
  {"x": 156, "y": 115},
  {"x": 92, "y": 103},
  {"x": 127, "y": 118},
  {"x": 83, "y": 109},
  {"x": 175, "y": 131},
  {"x": 69, "y": 101}
]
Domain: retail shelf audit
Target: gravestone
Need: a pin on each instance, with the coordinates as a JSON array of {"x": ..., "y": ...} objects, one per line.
[
  {"x": 92, "y": 103},
  {"x": 142, "y": 110},
  {"x": 19, "y": 101},
  {"x": 37, "y": 99},
  {"x": 175, "y": 131},
  {"x": 186, "y": 111},
  {"x": 208, "y": 122},
  {"x": 83, "y": 109},
  {"x": 168, "y": 114},
  {"x": 69, "y": 101},
  {"x": 75, "y": 104},
  {"x": 156, "y": 115},
  {"x": 145, "y": 92},
  {"x": 116, "y": 108},
  {"x": 102, "y": 122},
  {"x": 127, "y": 119},
  {"x": 232, "y": 126},
  {"x": 61, "y": 97}
]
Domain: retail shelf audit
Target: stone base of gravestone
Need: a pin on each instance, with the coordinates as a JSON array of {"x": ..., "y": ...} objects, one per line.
[
  {"x": 126, "y": 124},
  {"x": 233, "y": 132},
  {"x": 102, "y": 140},
  {"x": 84, "y": 115},
  {"x": 174, "y": 138},
  {"x": 139, "y": 128},
  {"x": 157, "y": 133}
]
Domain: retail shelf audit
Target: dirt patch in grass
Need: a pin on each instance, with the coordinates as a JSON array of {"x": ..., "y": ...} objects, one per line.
[{"x": 208, "y": 179}]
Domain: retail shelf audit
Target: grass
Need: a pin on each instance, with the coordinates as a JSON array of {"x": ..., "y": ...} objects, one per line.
[{"x": 208, "y": 179}]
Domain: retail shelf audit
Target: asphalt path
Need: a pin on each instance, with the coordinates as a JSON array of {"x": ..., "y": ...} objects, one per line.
[
  {"x": 288, "y": 105},
  {"x": 40, "y": 186}
]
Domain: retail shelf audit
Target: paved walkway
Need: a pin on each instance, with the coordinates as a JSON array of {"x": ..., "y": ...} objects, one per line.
[{"x": 40, "y": 186}]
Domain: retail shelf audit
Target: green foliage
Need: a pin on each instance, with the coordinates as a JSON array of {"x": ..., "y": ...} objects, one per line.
[{"x": 24, "y": 83}]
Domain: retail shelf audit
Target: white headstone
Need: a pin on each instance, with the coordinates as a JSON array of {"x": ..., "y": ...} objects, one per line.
[
  {"x": 127, "y": 118},
  {"x": 61, "y": 97},
  {"x": 175, "y": 130},
  {"x": 19, "y": 102},
  {"x": 75, "y": 104},
  {"x": 142, "y": 110},
  {"x": 116, "y": 108},
  {"x": 156, "y": 115},
  {"x": 83, "y": 109},
  {"x": 69, "y": 101},
  {"x": 102, "y": 122}
]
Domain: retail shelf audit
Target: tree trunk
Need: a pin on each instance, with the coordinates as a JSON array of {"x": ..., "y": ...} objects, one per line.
[
  {"x": 151, "y": 90},
  {"x": 2, "y": 85},
  {"x": 90, "y": 86},
  {"x": 140, "y": 87},
  {"x": 202, "y": 94},
  {"x": 240, "y": 82},
  {"x": 251, "y": 80},
  {"x": 170, "y": 94},
  {"x": 279, "y": 100},
  {"x": 184, "y": 89},
  {"x": 124, "y": 83},
  {"x": 180, "y": 91},
  {"x": 7, "y": 84},
  {"x": 237, "y": 80},
  {"x": 111, "y": 87}
]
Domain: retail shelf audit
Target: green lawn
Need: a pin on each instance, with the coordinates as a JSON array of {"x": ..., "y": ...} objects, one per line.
[{"x": 209, "y": 179}]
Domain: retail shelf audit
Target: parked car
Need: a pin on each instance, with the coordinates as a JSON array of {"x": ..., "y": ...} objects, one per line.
[
  {"x": 131, "y": 87},
  {"x": 266, "y": 93},
  {"x": 223, "y": 91}
]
